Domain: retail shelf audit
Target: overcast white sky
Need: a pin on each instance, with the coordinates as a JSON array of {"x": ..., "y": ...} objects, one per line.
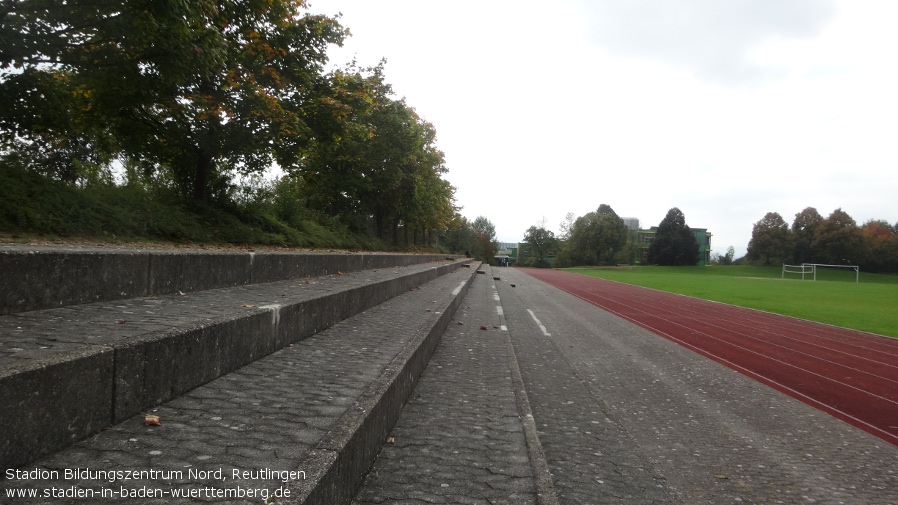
[{"x": 727, "y": 109}]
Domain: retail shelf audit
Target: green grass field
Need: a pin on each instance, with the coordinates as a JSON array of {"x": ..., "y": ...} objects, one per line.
[{"x": 870, "y": 305}]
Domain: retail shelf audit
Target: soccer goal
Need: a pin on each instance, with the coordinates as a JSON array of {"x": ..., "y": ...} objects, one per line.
[{"x": 826, "y": 272}]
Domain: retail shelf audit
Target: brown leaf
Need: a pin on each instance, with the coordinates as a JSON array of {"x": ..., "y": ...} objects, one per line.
[
  {"x": 120, "y": 321},
  {"x": 482, "y": 327},
  {"x": 460, "y": 323},
  {"x": 181, "y": 293},
  {"x": 391, "y": 440},
  {"x": 248, "y": 306},
  {"x": 152, "y": 420}
]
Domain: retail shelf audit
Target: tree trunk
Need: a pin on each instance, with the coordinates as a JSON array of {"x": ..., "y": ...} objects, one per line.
[{"x": 204, "y": 167}]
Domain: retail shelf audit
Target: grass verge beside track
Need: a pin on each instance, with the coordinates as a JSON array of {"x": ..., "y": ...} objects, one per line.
[{"x": 870, "y": 305}]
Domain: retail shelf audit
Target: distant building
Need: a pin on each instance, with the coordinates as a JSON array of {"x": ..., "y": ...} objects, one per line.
[
  {"x": 632, "y": 223},
  {"x": 702, "y": 236},
  {"x": 507, "y": 250}
]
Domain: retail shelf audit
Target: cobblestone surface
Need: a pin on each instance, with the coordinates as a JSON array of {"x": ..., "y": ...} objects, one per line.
[
  {"x": 262, "y": 418},
  {"x": 45, "y": 334},
  {"x": 459, "y": 439},
  {"x": 714, "y": 436},
  {"x": 591, "y": 454}
]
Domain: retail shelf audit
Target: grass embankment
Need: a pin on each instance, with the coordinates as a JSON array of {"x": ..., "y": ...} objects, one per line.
[
  {"x": 870, "y": 305},
  {"x": 35, "y": 208}
]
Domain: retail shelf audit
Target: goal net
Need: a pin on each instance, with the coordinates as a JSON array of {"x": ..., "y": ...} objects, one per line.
[{"x": 820, "y": 271}]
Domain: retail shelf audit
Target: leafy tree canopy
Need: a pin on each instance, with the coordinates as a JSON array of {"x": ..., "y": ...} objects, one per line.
[
  {"x": 598, "y": 237},
  {"x": 674, "y": 243},
  {"x": 540, "y": 240},
  {"x": 770, "y": 238}
]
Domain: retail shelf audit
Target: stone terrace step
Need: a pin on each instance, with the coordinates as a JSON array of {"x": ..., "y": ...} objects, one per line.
[
  {"x": 67, "y": 373},
  {"x": 319, "y": 408},
  {"x": 41, "y": 277}
]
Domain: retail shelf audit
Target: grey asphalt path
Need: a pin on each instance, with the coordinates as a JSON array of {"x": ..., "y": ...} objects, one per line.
[
  {"x": 460, "y": 437},
  {"x": 626, "y": 416}
]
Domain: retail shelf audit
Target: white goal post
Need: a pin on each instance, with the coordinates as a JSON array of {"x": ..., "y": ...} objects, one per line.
[{"x": 811, "y": 269}]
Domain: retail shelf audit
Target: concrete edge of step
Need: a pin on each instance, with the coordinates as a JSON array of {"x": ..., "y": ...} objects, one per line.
[
  {"x": 52, "y": 404},
  {"x": 38, "y": 278},
  {"x": 340, "y": 462}
]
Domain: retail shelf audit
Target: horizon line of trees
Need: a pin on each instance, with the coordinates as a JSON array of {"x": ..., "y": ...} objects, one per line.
[
  {"x": 836, "y": 239},
  {"x": 195, "y": 98},
  {"x": 602, "y": 238}
]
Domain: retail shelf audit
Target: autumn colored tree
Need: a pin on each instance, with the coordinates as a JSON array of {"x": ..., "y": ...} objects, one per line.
[
  {"x": 202, "y": 89},
  {"x": 882, "y": 246},
  {"x": 378, "y": 161},
  {"x": 484, "y": 239},
  {"x": 838, "y": 240},
  {"x": 770, "y": 238},
  {"x": 674, "y": 243}
]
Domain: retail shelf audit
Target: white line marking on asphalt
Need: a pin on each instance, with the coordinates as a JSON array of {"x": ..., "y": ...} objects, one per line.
[
  {"x": 457, "y": 290},
  {"x": 504, "y": 328},
  {"x": 499, "y": 310},
  {"x": 541, "y": 327}
]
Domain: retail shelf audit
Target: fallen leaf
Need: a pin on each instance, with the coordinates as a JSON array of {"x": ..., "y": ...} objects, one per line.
[
  {"x": 482, "y": 327},
  {"x": 391, "y": 440},
  {"x": 181, "y": 293},
  {"x": 307, "y": 281},
  {"x": 120, "y": 321},
  {"x": 722, "y": 476},
  {"x": 248, "y": 306},
  {"x": 152, "y": 420},
  {"x": 460, "y": 323}
]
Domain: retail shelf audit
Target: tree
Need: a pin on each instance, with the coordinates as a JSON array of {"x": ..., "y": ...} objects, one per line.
[
  {"x": 484, "y": 239},
  {"x": 566, "y": 226},
  {"x": 540, "y": 241},
  {"x": 199, "y": 88},
  {"x": 598, "y": 237},
  {"x": 674, "y": 243},
  {"x": 804, "y": 229},
  {"x": 770, "y": 238},
  {"x": 838, "y": 240},
  {"x": 729, "y": 257},
  {"x": 378, "y": 161},
  {"x": 882, "y": 246}
]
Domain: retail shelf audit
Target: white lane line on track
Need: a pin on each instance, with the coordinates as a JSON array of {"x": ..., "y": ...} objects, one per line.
[
  {"x": 769, "y": 357},
  {"x": 538, "y": 323},
  {"x": 813, "y": 342},
  {"x": 764, "y": 341},
  {"x": 751, "y": 373}
]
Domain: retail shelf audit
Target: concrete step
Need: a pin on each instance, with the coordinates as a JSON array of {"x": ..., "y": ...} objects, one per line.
[
  {"x": 41, "y": 277},
  {"x": 301, "y": 425},
  {"x": 69, "y": 372}
]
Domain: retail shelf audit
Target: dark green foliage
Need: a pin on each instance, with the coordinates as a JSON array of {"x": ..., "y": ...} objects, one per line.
[
  {"x": 192, "y": 98},
  {"x": 770, "y": 240},
  {"x": 674, "y": 243},
  {"x": 540, "y": 242},
  {"x": 597, "y": 238},
  {"x": 36, "y": 206}
]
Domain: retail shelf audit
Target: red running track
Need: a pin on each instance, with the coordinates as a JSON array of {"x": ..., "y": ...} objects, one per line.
[{"x": 851, "y": 375}]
